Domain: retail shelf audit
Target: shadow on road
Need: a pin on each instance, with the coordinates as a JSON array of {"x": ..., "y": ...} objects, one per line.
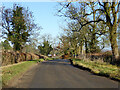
[{"x": 56, "y": 62}]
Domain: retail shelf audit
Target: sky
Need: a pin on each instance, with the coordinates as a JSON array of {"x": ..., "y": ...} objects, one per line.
[{"x": 44, "y": 16}]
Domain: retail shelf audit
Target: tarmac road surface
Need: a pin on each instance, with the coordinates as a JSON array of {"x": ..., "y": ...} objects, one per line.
[{"x": 61, "y": 74}]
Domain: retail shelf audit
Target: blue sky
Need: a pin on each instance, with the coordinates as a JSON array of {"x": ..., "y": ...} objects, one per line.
[{"x": 44, "y": 16}]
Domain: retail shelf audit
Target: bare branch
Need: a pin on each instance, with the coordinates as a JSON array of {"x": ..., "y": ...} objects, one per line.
[
  {"x": 118, "y": 8},
  {"x": 100, "y": 3},
  {"x": 94, "y": 11},
  {"x": 91, "y": 22},
  {"x": 68, "y": 4}
]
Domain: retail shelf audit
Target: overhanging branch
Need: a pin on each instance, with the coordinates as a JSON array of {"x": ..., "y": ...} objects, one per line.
[
  {"x": 94, "y": 12},
  {"x": 100, "y": 3},
  {"x": 91, "y": 22},
  {"x": 118, "y": 8}
]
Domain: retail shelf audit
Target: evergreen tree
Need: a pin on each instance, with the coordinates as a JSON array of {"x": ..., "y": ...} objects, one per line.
[
  {"x": 17, "y": 25},
  {"x": 46, "y": 48}
]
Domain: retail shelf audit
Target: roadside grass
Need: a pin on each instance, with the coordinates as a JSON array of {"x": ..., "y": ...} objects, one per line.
[
  {"x": 99, "y": 68},
  {"x": 9, "y": 73},
  {"x": 39, "y": 60},
  {"x": 49, "y": 58}
]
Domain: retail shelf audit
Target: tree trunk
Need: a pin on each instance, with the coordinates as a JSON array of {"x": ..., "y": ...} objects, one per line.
[
  {"x": 113, "y": 41},
  {"x": 112, "y": 28},
  {"x": 86, "y": 46},
  {"x": 75, "y": 55},
  {"x": 93, "y": 47},
  {"x": 81, "y": 49},
  {"x": 93, "y": 39}
]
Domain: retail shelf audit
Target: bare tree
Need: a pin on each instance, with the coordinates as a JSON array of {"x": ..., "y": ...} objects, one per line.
[{"x": 104, "y": 12}]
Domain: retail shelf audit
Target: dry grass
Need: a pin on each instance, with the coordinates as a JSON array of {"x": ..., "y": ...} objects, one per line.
[{"x": 99, "y": 67}]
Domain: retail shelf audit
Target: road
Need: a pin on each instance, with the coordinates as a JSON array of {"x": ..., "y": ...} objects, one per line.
[{"x": 60, "y": 74}]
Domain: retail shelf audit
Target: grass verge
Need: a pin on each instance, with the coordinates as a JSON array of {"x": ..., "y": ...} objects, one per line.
[
  {"x": 49, "y": 58},
  {"x": 10, "y": 72},
  {"x": 99, "y": 68}
]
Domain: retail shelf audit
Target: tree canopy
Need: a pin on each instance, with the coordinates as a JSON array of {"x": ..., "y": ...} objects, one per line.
[
  {"x": 46, "y": 48},
  {"x": 18, "y": 24},
  {"x": 94, "y": 21}
]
